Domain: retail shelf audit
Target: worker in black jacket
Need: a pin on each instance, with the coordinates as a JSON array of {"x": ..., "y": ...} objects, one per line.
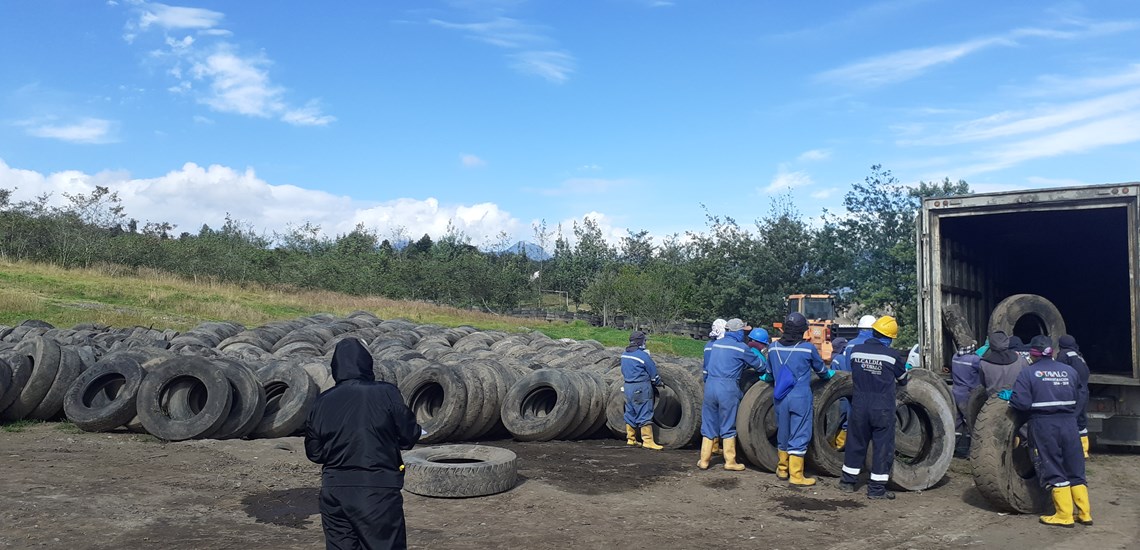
[{"x": 356, "y": 430}]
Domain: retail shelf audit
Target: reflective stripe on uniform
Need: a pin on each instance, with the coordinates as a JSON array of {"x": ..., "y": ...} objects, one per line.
[
  {"x": 852, "y": 471},
  {"x": 727, "y": 347},
  {"x": 639, "y": 360},
  {"x": 1062, "y": 484},
  {"x": 789, "y": 348},
  {"x": 1053, "y": 403},
  {"x": 1071, "y": 354},
  {"x": 1084, "y": 431},
  {"x": 797, "y": 453},
  {"x": 880, "y": 477}
]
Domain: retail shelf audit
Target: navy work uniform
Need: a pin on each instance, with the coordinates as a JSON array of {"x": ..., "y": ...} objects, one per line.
[
  {"x": 876, "y": 370},
  {"x": 640, "y": 373},
  {"x": 840, "y": 362},
  {"x": 1070, "y": 354},
  {"x": 965, "y": 370},
  {"x": 1048, "y": 391}
]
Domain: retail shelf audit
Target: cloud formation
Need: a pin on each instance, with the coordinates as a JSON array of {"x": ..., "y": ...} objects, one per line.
[
  {"x": 785, "y": 180},
  {"x": 85, "y": 130},
  {"x": 532, "y": 51},
  {"x": 471, "y": 161},
  {"x": 213, "y": 70},
  {"x": 814, "y": 155}
]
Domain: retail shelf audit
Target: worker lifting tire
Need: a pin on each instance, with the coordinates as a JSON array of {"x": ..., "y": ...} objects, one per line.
[
  {"x": 676, "y": 408},
  {"x": 1002, "y": 463},
  {"x": 459, "y": 471},
  {"x": 1010, "y": 311}
]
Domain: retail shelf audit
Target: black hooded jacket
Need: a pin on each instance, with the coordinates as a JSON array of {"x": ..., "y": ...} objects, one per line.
[{"x": 357, "y": 428}]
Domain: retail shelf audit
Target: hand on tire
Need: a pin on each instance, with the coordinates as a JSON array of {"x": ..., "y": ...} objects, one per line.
[{"x": 1005, "y": 394}]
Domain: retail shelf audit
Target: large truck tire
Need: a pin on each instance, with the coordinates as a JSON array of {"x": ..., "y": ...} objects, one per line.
[
  {"x": 1010, "y": 310},
  {"x": 21, "y": 369},
  {"x": 70, "y": 367},
  {"x": 154, "y": 393},
  {"x": 954, "y": 319},
  {"x": 676, "y": 408},
  {"x": 44, "y": 354},
  {"x": 923, "y": 465},
  {"x": 1004, "y": 472},
  {"x": 540, "y": 406},
  {"x": 103, "y": 397},
  {"x": 756, "y": 427},
  {"x": 289, "y": 394},
  {"x": 825, "y": 424},
  {"x": 978, "y": 397},
  {"x": 438, "y": 397},
  {"x": 459, "y": 471}
]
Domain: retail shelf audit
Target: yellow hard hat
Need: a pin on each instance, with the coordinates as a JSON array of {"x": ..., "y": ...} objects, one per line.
[{"x": 887, "y": 326}]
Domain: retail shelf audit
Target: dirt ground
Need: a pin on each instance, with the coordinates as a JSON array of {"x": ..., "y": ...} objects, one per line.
[{"x": 110, "y": 491}]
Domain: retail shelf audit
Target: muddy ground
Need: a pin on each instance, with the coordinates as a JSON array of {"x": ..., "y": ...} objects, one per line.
[{"x": 60, "y": 489}]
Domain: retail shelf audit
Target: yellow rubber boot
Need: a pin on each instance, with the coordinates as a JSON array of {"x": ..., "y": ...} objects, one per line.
[
  {"x": 1081, "y": 501},
  {"x": 716, "y": 447},
  {"x": 796, "y": 472},
  {"x": 1063, "y": 504},
  {"x": 706, "y": 453},
  {"x": 647, "y": 438},
  {"x": 730, "y": 462},
  {"x": 630, "y": 436},
  {"x": 782, "y": 467},
  {"x": 1085, "y": 445},
  {"x": 840, "y": 440}
]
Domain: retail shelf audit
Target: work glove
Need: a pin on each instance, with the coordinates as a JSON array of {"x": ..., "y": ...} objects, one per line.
[
  {"x": 766, "y": 377},
  {"x": 1005, "y": 394},
  {"x": 829, "y": 374},
  {"x": 909, "y": 366},
  {"x": 657, "y": 381}
]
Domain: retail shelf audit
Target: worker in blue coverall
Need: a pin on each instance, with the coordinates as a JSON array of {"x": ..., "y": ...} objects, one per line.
[
  {"x": 1049, "y": 391},
  {"x": 841, "y": 363},
  {"x": 1070, "y": 354},
  {"x": 791, "y": 361},
  {"x": 876, "y": 370},
  {"x": 640, "y": 376},
  {"x": 965, "y": 370},
  {"x": 715, "y": 334},
  {"x": 722, "y": 365},
  {"x": 864, "y": 325},
  {"x": 758, "y": 342}
]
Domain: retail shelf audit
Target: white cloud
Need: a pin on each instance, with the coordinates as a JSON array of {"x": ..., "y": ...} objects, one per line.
[
  {"x": 87, "y": 130},
  {"x": 785, "y": 180},
  {"x": 611, "y": 232},
  {"x": 176, "y": 17},
  {"x": 589, "y": 168},
  {"x": 199, "y": 119},
  {"x": 906, "y": 64},
  {"x": 471, "y": 161},
  {"x": 814, "y": 155},
  {"x": 214, "y": 71},
  {"x": 1038, "y": 181},
  {"x": 533, "y": 51},
  {"x": 551, "y": 65},
  {"x": 194, "y": 195}
]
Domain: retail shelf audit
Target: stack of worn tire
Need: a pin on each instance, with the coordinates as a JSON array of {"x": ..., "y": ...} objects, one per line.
[
  {"x": 220, "y": 380},
  {"x": 924, "y": 432}
]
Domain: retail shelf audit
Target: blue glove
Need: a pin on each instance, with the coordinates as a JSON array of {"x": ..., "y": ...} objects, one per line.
[
  {"x": 766, "y": 377},
  {"x": 909, "y": 366},
  {"x": 657, "y": 381},
  {"x": 1005, "y": 394},
  {"x": 829, "y": 374}
]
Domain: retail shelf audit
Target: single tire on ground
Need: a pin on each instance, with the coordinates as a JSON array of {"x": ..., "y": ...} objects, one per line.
[
  {"x": 289, "y": 394},
  {"x": 1004, "y": 473},
  {"x": 676, "y": 408},
  {"x": 104, "y": 396},
  {"x": 1044, "y": 317},
  {"x": 156, "y": 418},
  {"x": 920, "y": 468},
  {"x": 459, "y": 471}
]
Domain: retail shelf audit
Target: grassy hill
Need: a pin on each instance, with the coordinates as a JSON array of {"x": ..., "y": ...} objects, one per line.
[{"x": 122, "y": 297}]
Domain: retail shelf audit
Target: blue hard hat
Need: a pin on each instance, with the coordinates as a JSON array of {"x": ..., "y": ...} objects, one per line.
[{"x": 760, "y": 335}]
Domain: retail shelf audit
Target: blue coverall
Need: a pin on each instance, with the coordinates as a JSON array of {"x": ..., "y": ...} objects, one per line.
[
  {"x": 724, "y": 359},
  {"x": 1049, "y": 391},
  {"x": 794, "y": 412},
  {"x": 1073, "y": 358},
  {"x": 876, "y": 369},
  {"x": 864, "y": 335},
  {"x": 639, "y": 373},
  {"x": 964, "y": 369},
  {"x": 840, "y": 362}
]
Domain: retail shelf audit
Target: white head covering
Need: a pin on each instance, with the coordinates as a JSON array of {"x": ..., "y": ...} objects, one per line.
[{"x": 718, "y": 329}]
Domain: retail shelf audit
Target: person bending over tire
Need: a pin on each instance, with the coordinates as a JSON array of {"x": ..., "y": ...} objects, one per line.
[
  {"x": 640, "y": 374},
  {"x": 1049, "y": 391},
  {"x": 722, "y": 365},
  {"x": 792, "y": 361},
  {"x": 876, "y": 371},
  {"x": 1070, "y": 354},
  {"x": 356, "y": 430}
]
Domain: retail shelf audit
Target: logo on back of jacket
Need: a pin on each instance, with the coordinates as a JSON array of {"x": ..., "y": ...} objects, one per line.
[
  {"x": 1057, "y": 377},
  {"x": 872, "y": 366}
]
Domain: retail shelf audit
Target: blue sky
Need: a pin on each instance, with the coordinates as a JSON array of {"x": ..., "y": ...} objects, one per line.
[{"x": 492, "y": 114}]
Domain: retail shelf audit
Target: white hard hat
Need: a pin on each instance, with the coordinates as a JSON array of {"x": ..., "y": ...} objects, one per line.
[{"x": 866, "y": 321}]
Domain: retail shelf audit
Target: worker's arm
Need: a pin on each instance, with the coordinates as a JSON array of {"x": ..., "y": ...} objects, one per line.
[
  {"x": 408, "y": 432},
  {"x": 1022, "y": 396},
  {"x": 651, "y": 370}
]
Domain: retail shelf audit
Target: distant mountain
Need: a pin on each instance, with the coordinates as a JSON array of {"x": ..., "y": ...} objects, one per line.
[{"x": 533, "y": 251}]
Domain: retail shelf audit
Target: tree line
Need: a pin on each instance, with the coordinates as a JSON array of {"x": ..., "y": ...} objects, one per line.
[{"x": 864, "y": 254}]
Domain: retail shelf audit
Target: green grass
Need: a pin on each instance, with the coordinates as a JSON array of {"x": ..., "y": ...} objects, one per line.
[
  {"x": 18, "y": 426},
  {"x": 68, "y": 428},
  {"x": 123, "y": 297}
]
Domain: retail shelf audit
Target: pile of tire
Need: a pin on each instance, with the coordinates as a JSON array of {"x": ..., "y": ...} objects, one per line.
[
  {"x": 220, "y": 380},
  {"x": 924, "y": 431}
]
